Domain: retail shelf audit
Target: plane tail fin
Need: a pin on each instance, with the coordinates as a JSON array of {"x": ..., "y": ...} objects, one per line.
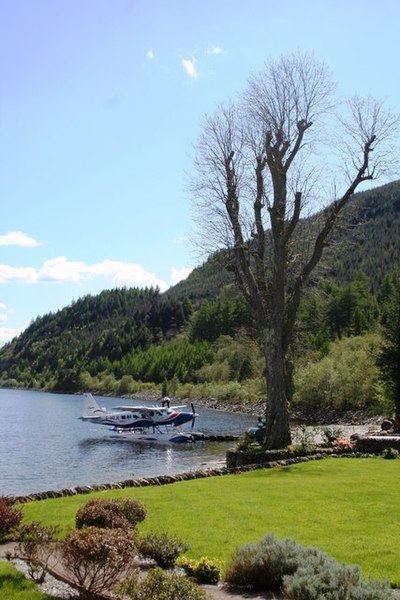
[{"x": 90, "y": 409}]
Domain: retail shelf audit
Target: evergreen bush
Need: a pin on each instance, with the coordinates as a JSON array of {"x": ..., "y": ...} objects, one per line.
[
  {"x": 163, "y": 548},
  {"x": 300, "y": 573},
  {"x": 263, "y": 565},
  {"x": 160, "y": 586},
  {"x": 322, "y": 577}
]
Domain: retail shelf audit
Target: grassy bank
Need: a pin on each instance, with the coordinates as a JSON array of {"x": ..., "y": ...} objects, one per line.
[
  {"x": 346, "y": 507},
  {"x": 14, "y": 586}
]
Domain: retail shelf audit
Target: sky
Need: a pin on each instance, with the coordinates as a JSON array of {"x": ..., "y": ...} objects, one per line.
[{"x": 101, "y": 104}]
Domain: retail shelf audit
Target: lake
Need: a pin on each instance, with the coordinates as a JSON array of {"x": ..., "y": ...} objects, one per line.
[{"x": 44, "y": 446}]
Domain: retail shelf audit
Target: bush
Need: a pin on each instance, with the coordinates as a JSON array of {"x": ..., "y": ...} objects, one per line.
[
  {"x": 262, "y": 566},
  {"x": 10, "y": 517},
  {"x": 96, "y": 558},
  {"x": 300, "y": 573},
  {"x": 323, "y": 577},
  {"x": 163, "y": 548},
  {"x": 160, "y": 586},
  {"x": 36, "y": 543},
  {"x": 345, "y": 379},
  {"x": 122, "y": 514},
  {"x": 391, "y": 453},
  {"x": 202, "y": 570}
]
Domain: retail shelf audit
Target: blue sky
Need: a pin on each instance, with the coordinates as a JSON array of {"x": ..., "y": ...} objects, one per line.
[{"x": 101, "y": 102}]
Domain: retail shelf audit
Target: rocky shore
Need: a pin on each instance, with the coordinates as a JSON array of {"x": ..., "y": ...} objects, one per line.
[{"x": 257, "y": 409}]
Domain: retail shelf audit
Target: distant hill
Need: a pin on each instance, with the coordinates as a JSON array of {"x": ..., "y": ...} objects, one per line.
[
  {"x": 114, "y": 329},
  {"x": 91, "y": 332},
  {"x": 367, "y": 242}
]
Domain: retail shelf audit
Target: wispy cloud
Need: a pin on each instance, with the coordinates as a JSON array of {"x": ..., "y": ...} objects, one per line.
[
  {"x": 150, "y": 54},
  {"x": 63, "y": 270},
  {"x": 213, "y": 50},
  {"x": 190, "y": 67},
  {"x": 182, "y": 239},
  {"x": 18, "y": 238}
]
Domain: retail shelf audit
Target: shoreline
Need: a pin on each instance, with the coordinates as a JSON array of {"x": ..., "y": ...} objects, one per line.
[{"x": 257, "y": 409}]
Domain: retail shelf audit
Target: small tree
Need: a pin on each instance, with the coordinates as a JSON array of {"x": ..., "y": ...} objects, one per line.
[
  {"x": 96, "y": 559},
  {"x": 257, "y": 166},
  {"x": 389, "y": 357},
  {"x": 36, "y": 544}
]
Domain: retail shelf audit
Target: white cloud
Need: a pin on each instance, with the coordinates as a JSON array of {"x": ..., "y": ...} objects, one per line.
[
  {"x": 127, "y": 274},
  {"x": 18, "y": 238},
  {"x": 3, "y": 318},
  {"x": 213, "y": 50},
  {"x": 62, "y": 270},
  {"x": 180, "y": 274},
  {"x": 2, "y": 306},
  {"x": 8, "y": 333},
  {"x": 150, "y": 54},
  {"x": 190, "y": 67},
  {"x": 17, "y": 274}
]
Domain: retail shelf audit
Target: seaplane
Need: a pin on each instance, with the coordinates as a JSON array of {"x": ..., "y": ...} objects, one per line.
[{"x": 144, "y": 423}]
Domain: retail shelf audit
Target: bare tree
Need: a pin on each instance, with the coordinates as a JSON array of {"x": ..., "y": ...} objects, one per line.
[{"x": 257, "y": 165}]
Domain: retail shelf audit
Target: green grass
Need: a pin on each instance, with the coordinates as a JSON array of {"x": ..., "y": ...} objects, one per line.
[
  {"x": 349, "y": 508},
  {"x": 14, "y": 586}
]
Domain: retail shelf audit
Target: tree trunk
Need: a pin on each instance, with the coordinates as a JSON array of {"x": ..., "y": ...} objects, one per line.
[{"x": 277, "y": 433}]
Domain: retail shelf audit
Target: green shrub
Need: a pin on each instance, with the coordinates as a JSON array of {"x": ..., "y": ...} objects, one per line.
[
  {"x": 391, "y": 453},
  {"x": 301, "y": 573},
  {"x": 96, "y": 558},
  {"x": 322, "y": 577},
  {"x": 203, "y": 570},
  {"x": 160, "y": 586},
  {"x": 263, "y": 565},
  {"x": 345, "y": 379},
  {"x": 163, "y": 548},
  {"x": 10, "y": 517},
  {"x": 120, "y": 513}
]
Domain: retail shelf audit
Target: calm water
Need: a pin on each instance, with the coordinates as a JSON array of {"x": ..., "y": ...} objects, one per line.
[{"x": 44, "y": 446}]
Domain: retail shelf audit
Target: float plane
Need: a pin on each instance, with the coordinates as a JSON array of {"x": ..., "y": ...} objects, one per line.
[{"x": 143, "y": 423}]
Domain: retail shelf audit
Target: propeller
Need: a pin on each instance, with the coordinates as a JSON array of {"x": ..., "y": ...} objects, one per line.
[{"x": 195, "y": 415}]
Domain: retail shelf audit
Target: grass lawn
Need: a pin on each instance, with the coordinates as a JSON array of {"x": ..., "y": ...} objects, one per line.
[
  {"x": 14, "y": 586},
  {"x": 349, "y": 508}
]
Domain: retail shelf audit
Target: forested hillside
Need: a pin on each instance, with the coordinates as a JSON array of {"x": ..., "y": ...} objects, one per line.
[
  {"x": 200, "y": 331},
  {"x": 366, "y": 243},
  {"x": 90, "y": 334}
]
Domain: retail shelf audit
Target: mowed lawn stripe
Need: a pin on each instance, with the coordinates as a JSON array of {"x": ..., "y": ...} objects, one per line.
[{"x": 349, "y": 508}]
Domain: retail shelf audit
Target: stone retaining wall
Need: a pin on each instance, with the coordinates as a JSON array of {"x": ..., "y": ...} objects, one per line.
[
  {"x": 377, "y": 444},
  {"x": 238, "y": 458}
]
